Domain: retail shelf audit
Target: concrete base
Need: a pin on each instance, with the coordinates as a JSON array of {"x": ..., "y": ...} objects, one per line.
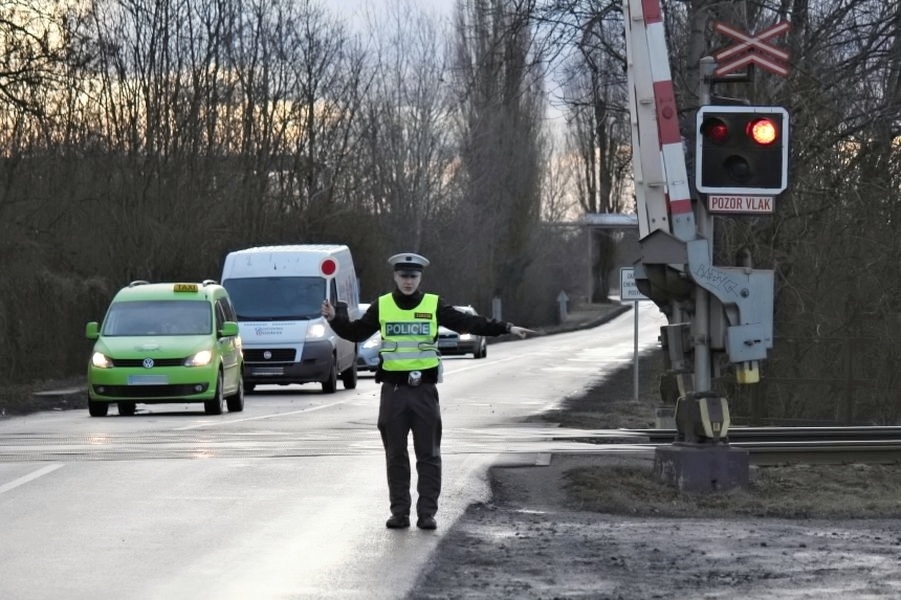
[{"x": 702, "y": 467}]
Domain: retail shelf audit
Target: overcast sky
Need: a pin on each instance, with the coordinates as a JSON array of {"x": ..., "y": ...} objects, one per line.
[
  {"x": 353, "y": 13},
  {"x": 353, "y": 10}
]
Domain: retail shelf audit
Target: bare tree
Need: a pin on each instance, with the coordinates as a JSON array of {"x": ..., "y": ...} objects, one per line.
[
  {"x": 592, "y": 76},
  {"x": 406, "y": 130},
  {"x": 833, "y": 237},
  {"x": 30, "y": 52},
  {"x": 501, "y": 99}
]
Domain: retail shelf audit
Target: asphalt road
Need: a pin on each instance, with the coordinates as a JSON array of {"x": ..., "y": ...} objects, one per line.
[{"x": 284, "y": 500}]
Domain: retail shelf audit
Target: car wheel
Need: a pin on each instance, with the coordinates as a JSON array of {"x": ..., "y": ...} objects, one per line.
[
  {"x": 126, "y": 409},
  {"x": 330, "y": 385},
  {"x": 236, "y": 402},
  {"x": 349, "y": 377},
  {"x": 217, "y": 404},
  {"x": 482, "y": 352},
  {"x": 97, "y": 409}
]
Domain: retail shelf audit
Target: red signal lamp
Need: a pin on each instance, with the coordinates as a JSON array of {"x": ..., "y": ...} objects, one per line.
[
  {"x": 715, "y": 130},
  {"x": 763, "y": 131}
]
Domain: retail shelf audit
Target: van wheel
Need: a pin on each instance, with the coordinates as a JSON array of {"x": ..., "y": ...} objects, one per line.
[
  {"x": 217, "y": 404},
  {"x": 126, "y": 409},
  {"x": 330, "y": 385},
  {"x": 98, "y": 409},
  {"x": 349, "y": 377},
  {"x": 236, "y": 402}
]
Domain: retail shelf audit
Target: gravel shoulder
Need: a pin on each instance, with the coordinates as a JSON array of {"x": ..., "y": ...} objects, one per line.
[{"x": 600, "y": 527}]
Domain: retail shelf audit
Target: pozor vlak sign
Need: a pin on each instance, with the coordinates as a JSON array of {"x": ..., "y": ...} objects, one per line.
[{"x": 721, "y": 203}]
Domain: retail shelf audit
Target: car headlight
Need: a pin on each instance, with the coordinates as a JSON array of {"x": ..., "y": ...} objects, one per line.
[
  {"x": 200, "y": 359},
  {"x": 315, "y": 331},
  {"x": 465, "y": 337},
  {"x": 101, "y": 360},
  {"x": 372, "y": 343}
]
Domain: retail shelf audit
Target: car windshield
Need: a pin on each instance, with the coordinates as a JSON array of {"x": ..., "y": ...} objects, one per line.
[
  {"x": 276, "y": 298},
  {"x": 159, "y": 317}
]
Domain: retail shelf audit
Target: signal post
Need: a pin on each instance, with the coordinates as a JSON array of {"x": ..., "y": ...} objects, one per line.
[{"x": 718, "y": 316}]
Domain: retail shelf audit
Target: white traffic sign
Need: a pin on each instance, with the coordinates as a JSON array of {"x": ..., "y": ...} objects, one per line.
[
  {"x": 628, "y": 291},
  {"x": 721, "y": 203}
]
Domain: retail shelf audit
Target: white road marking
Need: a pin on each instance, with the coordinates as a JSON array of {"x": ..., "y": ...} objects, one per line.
[
  {"x": 479, "y": 364},
  {"x": 269, "y": 416},
  {"x": 30, "y": 477}
]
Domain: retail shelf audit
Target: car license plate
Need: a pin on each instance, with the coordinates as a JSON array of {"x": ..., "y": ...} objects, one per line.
[
  {"x": 148, "y": 380},
  {"x": 264, "y": 371}
]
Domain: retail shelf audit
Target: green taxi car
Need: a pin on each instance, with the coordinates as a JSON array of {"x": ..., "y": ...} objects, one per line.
[{"x": 166, "y": 343}]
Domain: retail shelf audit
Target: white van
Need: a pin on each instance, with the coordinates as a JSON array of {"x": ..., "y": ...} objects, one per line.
[{"x": 277, "y": 292}]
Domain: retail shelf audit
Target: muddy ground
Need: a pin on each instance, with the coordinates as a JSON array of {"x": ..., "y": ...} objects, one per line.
[{"x": 601, "y": 527}]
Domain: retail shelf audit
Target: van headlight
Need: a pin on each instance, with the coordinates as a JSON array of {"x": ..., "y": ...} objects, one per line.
[
  {"x": 316, "y": 331},
  {"x": 101, "y": 360},
  {"x": 200, "y": 359}
]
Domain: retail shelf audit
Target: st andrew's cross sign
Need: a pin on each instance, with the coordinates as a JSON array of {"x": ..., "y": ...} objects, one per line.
[{"x": 752, "y": 49}]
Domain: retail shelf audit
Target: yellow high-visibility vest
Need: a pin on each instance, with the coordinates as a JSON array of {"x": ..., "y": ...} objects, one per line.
[{"x": 409, "y": 336}]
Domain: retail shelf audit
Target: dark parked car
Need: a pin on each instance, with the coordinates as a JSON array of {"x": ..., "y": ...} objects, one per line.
[{"x": 452, "y": 343}]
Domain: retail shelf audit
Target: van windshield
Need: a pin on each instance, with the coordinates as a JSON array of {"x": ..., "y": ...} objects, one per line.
[
  {"x": 276, "y": 298},
  {"x": 158, "y": 317}
]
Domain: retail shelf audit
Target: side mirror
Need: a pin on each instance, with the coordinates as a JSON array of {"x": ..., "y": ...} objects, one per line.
[
  {"x": 92, "y": 330},
  {"x": 341, "y": 309},
  {"x": 229, "y": 329}
]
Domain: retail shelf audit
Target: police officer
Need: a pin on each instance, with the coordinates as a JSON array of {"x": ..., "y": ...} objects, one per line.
[{"x": 409, "y": 369}]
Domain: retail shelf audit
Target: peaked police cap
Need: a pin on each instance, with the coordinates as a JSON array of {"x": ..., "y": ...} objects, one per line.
[{"x": 408, "y": 261}]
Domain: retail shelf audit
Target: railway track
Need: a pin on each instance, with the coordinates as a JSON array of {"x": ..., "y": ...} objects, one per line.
[{"x": 810, "y": 445}]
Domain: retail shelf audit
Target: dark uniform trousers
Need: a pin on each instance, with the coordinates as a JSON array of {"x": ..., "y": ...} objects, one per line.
[{"x": 402, "y": 409}]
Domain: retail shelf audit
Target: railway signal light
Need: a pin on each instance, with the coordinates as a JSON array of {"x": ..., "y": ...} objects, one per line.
[{"x": 741, "y": 150}]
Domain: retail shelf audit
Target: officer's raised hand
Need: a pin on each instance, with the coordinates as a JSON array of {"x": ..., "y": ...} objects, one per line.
[{"x": 327, "y": 310}]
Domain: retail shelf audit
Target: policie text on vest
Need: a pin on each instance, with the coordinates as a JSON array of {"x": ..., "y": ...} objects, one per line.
[{"x": 408, "y": 329}]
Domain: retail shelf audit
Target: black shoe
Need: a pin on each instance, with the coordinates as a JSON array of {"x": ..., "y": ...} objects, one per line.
[
  {"x": 426, "y": 522},
  {"x": 398, "y": 522}
]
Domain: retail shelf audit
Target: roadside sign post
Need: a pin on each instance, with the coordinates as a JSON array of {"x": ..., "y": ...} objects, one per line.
[{"x": 628, "y": 291}]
